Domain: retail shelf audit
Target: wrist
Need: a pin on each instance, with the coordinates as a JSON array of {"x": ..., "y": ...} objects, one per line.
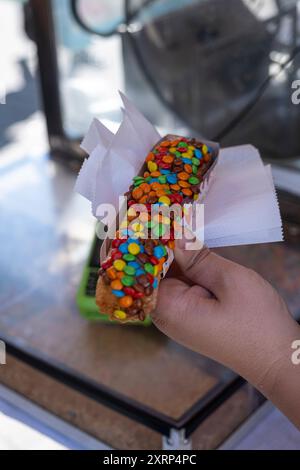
[{"x": 280, "y": 382}]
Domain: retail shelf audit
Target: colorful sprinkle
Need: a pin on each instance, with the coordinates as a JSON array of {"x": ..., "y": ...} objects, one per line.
[
  {"x": 149, "y": 268},
  {"x": 118, "y": 293},
  {"x": 194, "y": 180},
  {"x": 159, "y": 230},
  {"x": 129, "y": 257},
  {"x": 165, "y": 200},
  {"x": 134, "y": 248},
  {"x": 126, "y": 301},
  {"x": 120, "y": 315},
  {"x": 136, "y": 262},
  {"x": 111, "y": 273},
  {"x": 130, "y": 270},
  {"x": 119, "y": 265},
  {"x": 116, "y": 285},
  {"x": 159, "y": 251},
  {"x": 139, "y": 272},
  {"x": 123, "y": 248},
  {"x": 128, "y": 281},
  {"x": 172, "y": 178},
  {"x": 152, "y": 166}
]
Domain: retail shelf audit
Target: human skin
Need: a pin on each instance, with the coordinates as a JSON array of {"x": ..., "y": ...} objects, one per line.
[{"x": 231, "y": 314}]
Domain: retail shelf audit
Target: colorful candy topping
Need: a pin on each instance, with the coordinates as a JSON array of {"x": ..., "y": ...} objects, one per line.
[{"x": 173, "y": 173}]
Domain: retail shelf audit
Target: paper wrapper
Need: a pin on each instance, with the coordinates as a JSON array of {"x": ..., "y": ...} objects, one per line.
[
  {"x": 204, "y": 187},
  {"x": 240, "y": 206}
]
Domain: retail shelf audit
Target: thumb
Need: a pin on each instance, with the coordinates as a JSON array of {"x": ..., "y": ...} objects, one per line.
[
  {"x": 204, "y": 268},
  {"x": 182, "y": 311}
]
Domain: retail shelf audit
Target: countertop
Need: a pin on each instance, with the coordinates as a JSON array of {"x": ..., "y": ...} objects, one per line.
[{"x": 45, "y": 234}]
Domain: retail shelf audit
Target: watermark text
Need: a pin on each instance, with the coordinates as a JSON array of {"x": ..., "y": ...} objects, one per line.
[
  {"x": 296, "y": 94},
  {"x": 155, "y": 221},
  {"x": 296, "y": 354},
  {"x": 2, "y": 93},
  {"x": 2, "y": 353}
]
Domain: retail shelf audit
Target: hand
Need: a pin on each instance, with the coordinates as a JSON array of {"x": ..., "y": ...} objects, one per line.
[{"x": 231, "y": 314}]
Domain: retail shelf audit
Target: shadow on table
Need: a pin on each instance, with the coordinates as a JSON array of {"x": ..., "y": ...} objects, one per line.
[{"x": 19, "y": 104}]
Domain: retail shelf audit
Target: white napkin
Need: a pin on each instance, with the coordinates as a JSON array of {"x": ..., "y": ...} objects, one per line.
[
  {"x": 240, "y": 207},
  {"x": 95, "y": 143}
]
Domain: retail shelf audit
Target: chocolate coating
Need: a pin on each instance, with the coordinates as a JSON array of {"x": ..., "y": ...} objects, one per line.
[
  {"x": 138, "y": 303},
  {"x": 149, "y": 291},
  {"x": 106, "y": 279},
  {"x": 142, "y": 315},
  {"x": 143, "y": 280},
  {"x": 142, "y": 258},
  {"x": 139, "y": 288}
]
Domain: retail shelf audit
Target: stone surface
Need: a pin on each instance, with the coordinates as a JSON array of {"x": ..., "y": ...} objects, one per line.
[{"x": 45, "y": 235}]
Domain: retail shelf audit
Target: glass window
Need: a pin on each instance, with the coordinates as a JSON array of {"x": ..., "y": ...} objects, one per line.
[
  {"x": 91, "y": 69},
  {"x": 224, "y": 72}
]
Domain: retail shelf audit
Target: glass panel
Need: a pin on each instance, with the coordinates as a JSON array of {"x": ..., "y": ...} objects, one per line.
[
  {"x": 90, "y": 70},
  {"x": 102, "y": 17},
  {"x": 210, "y": 68},
  {"x": 187, "y": 65},
  {"x": 40, "y": 271}
]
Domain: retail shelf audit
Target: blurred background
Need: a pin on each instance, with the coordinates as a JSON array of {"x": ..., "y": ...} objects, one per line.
[
  {"x": 221, "y": 70},
  {"x": 185, "y": 64}
]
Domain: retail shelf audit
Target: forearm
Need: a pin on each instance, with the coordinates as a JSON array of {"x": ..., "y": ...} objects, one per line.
[
  {"x": 244, "y": 325},
  {"x": 281, "y": 383}
]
